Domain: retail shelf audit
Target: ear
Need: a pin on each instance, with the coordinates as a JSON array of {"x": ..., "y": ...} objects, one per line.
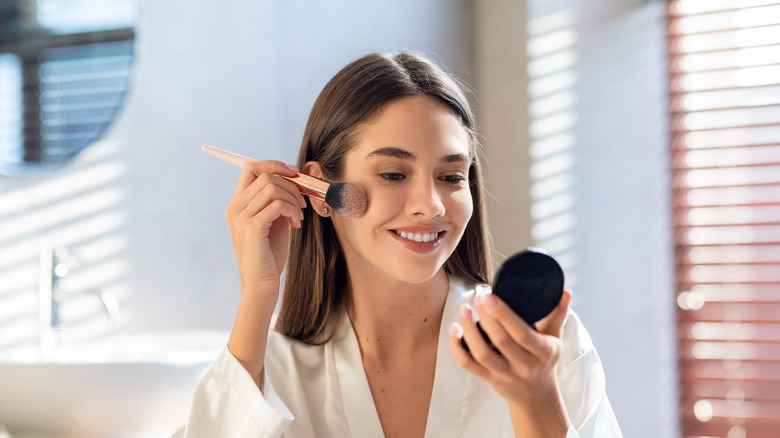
[{"x": 313, "y": 168}]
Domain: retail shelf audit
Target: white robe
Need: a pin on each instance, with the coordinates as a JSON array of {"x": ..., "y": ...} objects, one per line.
[{"x": 322, "y": 390}]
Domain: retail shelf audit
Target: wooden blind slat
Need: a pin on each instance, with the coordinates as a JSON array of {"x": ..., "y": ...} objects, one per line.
[
  {"x": 694, "y": 7},
  {"x": 740, "y": 97},
  {"x": 731, "y": 313},
  {"x": 739, "y": 17},
  {"x": 765, "y": 115},
  {"x": 728, "y": 137},
  {"x": 727, "y": 177},
  {"x": 734, "y": 254},
  {"x": 703, "y": 197},
  {"x": 726, "y": 59},
  {"x": 725, "y": 274},
  {"x": 731, "y": 351},
  {"x": 726, "y": 40},
  {"x": 718, "y": 158},
  {"x": 756, "y": 427},
  {"x": 728, "y": 235},
  {"x": 749, "y": 332},
  {"x": 726, "y": 79},
  {"x": 716, "y": 216}
]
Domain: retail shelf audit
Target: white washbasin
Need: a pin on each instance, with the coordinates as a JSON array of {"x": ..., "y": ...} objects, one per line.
[{"x": 124, "y": 386}]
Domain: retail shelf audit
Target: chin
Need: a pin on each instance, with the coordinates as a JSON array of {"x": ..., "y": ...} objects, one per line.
[{"x": 417, "y": 274}]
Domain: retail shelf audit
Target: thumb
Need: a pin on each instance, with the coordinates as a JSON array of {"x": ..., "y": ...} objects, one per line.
[{"x": 553, "y": 323}]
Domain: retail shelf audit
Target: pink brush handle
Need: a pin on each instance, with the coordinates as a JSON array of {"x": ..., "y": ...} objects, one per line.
[
  {"x": 308, "y": 185},
  {"x": 230, "y": 157}
]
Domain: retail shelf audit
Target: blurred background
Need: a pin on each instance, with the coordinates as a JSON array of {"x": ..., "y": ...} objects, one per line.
[{"x": 637, "y": 140}]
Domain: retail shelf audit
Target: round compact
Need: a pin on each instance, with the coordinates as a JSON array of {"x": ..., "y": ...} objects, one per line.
[{"x": 531, "y": 283}]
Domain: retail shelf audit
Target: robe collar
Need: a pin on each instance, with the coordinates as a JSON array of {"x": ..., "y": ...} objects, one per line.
[{"x": 454, "y": 389}]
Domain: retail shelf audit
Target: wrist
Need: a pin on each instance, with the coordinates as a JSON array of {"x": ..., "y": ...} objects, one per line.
[
  {"x": 260, "y": 294},
  {"x": 261, "y": 287},
  {"x": 543, "y": 417},
  {"x": 249, "y": 335}
]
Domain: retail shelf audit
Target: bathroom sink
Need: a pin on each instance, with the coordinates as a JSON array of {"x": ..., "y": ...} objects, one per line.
[{"x": 123, "y": 386}]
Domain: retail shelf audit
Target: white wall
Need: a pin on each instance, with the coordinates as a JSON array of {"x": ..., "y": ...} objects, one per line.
[
  {"x": 600, "y": 166},
  {"x": 142, "y": 209}
]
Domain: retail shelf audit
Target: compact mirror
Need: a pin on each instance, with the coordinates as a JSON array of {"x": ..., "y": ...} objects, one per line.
[
  {"x": 531, "y": 283},
  {"x": 64, "y": 74}
]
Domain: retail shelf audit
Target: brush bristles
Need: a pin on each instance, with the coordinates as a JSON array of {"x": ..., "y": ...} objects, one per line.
[{"x": 347, "y": 199}]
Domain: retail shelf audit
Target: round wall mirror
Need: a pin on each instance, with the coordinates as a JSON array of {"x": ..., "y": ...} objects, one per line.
[{"x": 64, "y": 73}]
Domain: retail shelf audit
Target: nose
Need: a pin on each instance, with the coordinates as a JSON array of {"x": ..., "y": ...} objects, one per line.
[{"x": 424, "y": 200}]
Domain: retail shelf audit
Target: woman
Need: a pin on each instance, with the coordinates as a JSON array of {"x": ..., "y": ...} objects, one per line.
[{"x": 368, "y": 340}]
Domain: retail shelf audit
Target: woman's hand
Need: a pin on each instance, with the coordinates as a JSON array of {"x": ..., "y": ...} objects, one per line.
[
  {"x": 258, "y": 216},
  {"x": 525, "y": 372},
  {"x": 263, "y": 207}
]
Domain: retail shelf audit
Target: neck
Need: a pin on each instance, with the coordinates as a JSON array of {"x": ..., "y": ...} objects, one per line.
[{"x": 392, "y": 318}]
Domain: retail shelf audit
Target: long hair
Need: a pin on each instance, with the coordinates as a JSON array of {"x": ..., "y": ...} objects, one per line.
[{"x": 316, "y": 278}]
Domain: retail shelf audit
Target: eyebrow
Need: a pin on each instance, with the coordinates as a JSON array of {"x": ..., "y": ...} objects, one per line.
[{"x": 402, "y": 154}]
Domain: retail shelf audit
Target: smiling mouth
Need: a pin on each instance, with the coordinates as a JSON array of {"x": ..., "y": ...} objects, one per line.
[{"x": 419, "y": 237}]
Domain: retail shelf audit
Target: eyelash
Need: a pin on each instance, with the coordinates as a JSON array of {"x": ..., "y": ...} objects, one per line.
[
  {"x": 397, "y": 176},
  {"x": 453, "y": 179},
  {"x": 392, "y": 176}
]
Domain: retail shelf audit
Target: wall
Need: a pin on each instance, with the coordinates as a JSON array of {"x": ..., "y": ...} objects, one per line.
[{"x": 598, "y": 125}]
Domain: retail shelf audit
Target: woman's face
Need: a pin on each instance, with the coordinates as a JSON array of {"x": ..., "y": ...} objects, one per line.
[{"x": 413, "y": 162}]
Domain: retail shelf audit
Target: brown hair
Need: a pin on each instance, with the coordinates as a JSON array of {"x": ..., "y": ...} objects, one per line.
[{"x": 317, "y": 277}]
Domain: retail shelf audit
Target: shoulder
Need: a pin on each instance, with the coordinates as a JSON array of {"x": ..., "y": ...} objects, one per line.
[
  {"x": 577, "y": 343},
  {"x": 464, "y": 291},
  {"x": 285, "y": 353}
]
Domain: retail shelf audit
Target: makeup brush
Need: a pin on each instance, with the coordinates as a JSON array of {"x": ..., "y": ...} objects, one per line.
[{"x": 346, "y": 199}]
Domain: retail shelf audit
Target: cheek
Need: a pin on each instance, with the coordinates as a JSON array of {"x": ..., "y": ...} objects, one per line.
[
  {"x": 383, "y": 200},
  {"x": 461, "y": 206},
  {"x": 383, "y": 205}
]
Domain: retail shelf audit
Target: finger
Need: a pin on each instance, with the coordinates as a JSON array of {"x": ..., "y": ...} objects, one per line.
[
  {"x": 262, "y": 212},
  {"x": 268, "y": 194},
  {"x": 491, "y": 306},
  {"x": 260, "y": 184},
  {"x": 552, "y": 324},
  {"x": 252, "y": 169},
  {"x": 503, "y": 340},
  {"x": 257, "y": 197},
  {"x": 462, "y": 357},
  {"x": 479, "y": 349}
]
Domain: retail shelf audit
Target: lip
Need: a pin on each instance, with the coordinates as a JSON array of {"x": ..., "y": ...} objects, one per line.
[{"x": 419, "y": 247}]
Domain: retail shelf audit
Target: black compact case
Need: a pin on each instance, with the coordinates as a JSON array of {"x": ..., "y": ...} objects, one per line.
[{"x": 530, "y": 283}]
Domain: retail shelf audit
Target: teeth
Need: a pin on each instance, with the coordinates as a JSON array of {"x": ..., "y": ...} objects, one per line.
[{"x": 418, "y": 237}]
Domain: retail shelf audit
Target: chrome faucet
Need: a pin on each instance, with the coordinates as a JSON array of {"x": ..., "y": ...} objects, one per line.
[{"x": 52, "y": 270}]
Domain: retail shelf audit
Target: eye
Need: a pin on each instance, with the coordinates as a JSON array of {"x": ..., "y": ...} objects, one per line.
[
  {"x": 392, "y": 176},
  {"x": 453, "y": 179}
]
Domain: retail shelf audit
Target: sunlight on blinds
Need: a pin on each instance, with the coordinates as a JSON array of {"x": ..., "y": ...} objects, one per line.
[{"x": 725, "y": 97}]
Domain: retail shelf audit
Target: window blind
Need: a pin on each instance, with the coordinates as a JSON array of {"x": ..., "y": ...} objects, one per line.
[{"x": 725, "y": 104}]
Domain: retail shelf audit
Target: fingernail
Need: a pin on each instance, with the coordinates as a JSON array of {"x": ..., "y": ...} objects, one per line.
[
  {"x": 303, "y": 202},
  {"x": 487, "y": 300},
  {"x": 293, "y": 168},
  {"x": 456, "y": 330},
  {"x": 465, "y": 310}
]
